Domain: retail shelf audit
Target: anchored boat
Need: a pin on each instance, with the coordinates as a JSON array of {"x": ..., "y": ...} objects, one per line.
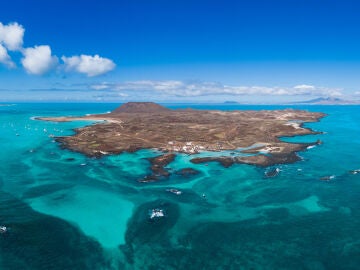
[
  {"x": 272, "y": 172},
  {"x": 174, "y": 191},
  {"x": 3, "y": 229},
  {"x": 156, "y": 213}
]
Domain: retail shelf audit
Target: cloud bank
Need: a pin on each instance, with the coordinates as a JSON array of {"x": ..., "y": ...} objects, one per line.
[
  {"x": 39, "y": 60},
  {"x": 196, "y": 89}
]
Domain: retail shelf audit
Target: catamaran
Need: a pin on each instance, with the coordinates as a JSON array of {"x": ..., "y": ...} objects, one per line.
[{"x": 156, "y": 213}]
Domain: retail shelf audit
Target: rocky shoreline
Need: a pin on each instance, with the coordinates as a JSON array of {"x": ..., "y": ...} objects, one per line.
[
  {"x": 261, "y": 160},
  {"x": 157, "y": 167},
  {"x": 134, "y": 126}
]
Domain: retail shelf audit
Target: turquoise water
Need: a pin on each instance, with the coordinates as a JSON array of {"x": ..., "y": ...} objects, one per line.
[{"x": 67, "y": 211}]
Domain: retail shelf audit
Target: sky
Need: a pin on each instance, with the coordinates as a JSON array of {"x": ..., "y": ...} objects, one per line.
[{"x": 255, "y": 51}]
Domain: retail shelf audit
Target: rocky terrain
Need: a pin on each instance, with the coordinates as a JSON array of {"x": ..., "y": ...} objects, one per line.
[{"x": 145, "y": 125}]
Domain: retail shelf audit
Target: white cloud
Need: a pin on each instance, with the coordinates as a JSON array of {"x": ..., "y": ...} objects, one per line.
[
  {"x": 38, "y": 60},
  {"x": 11, "y": 36},
  {"x": 334, "y": 92},
  {"x": 89, "y": 65},
  {"x": 305, "y": 87},
  {"x": 195, "y": 89},
  {"x": 5, "y": 58}
]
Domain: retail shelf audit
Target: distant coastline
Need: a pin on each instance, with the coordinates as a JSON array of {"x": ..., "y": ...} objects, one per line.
[{"x": 327, "y": 101}]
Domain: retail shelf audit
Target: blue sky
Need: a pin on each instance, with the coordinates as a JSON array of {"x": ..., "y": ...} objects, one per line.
[{"x": 194, "y": 51}]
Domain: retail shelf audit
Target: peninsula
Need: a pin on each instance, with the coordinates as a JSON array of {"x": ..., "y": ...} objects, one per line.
[{"x": 252, "y": 135}]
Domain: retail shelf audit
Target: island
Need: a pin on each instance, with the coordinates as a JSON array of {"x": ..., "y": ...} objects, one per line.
[{"x": 253, "y": 136}]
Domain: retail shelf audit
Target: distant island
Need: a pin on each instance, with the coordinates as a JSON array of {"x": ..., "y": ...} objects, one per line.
[
  {"x": 230, "y": 102},
  {"x": 146, "y": 125},
  {"x": 329, "y": 101}
]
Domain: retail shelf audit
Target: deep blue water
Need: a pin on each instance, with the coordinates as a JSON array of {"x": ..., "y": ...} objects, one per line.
[{"x": 67, "y": 211}]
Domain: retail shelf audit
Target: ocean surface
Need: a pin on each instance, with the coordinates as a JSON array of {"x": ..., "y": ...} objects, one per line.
[{"x": 67, "y": 211}]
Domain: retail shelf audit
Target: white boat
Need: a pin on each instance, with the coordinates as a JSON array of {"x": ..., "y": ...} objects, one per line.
[
  {"x": 174, "y": 191},
  {"x": 156, "y": 213},
  {"x": 3, "y": 229},
  {"x": 328, "y": 178},
  {"x": 355, "y": 171}
]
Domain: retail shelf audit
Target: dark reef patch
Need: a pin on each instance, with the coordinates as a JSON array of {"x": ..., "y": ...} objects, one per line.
[
  {"x": 45, "y": 189},
  {"x": 224, "y": 161},
  {"x": 187, "y": 172},
  {"x": 37, "y": 241},
  {"x": 143, "y": 231}
]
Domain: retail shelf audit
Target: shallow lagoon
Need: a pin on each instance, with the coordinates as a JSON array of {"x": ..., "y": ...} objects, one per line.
[{"x": 67, "y": 211}]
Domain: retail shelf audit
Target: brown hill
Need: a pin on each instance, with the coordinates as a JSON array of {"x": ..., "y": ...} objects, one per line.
[{"x": 140, "y": 107}]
